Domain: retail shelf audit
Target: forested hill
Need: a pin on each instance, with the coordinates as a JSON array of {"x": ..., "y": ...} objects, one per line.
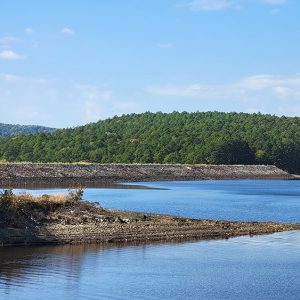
[
  {"x": 209, "y": 138},
  {"x": 9, "y": 130}
]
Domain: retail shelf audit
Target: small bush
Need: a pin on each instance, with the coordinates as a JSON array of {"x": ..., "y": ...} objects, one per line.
[
  {"x": 7, "y": 199},
  {"x": 7, "y": 195},
  {"x": 26, "y": 202},
  {"x": 76, "y": 195},
  {"x": 25, "y": 210}
]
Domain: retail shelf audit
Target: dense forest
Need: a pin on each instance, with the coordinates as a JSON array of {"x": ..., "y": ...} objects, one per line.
[
  {"x": 208, "y": 138},
  {"x": 9, "y": 130}
]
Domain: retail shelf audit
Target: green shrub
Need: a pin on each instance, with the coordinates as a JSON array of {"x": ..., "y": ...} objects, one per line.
[{"x": 76, "y": 195}]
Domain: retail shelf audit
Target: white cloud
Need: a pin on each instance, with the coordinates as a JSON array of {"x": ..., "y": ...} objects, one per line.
[
  {"x": 274, "y": 1},
  {"x": 282, "y": 91},
  {"x": 92, "y": 92},
  {"x": 67, "y": 30},
  {"x": 12, "y": 77},
  {"x": 257, "y": 82},
  {"x": 209, "y": 5},
  {"x": 266, "y": 93},
  {"x": 218, "y": 5},
  {"x": 265, "y": 82},
  {"x": 9, "y": 54},
  {"x": 82, "y": 103},
  {"x": 40, "y": 98},
  {"x": 274, "y": 85},
  {"x": 93, "y": 100},
  {"x": 99, "y": 102}
]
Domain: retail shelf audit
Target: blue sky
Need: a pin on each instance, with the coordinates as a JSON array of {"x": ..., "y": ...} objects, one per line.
[{"x": 65, "y": 63}]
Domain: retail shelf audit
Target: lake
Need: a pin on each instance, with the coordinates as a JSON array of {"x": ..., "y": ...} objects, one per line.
[{"x": 260, "y": 267}]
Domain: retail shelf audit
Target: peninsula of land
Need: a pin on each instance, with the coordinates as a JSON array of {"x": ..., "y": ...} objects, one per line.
[{"x": 63, "y": 221}]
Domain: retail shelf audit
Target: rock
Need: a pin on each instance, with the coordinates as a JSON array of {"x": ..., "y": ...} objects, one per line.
[{"x": 124, "y": 221}]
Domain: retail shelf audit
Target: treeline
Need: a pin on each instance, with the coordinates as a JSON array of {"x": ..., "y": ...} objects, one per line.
[
  {"x": 208, "y": 138},
  {"x": 9, "y": 130}
]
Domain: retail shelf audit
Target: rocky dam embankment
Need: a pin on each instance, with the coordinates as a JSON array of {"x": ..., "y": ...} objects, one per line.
[{"x": 14, "y": 173}]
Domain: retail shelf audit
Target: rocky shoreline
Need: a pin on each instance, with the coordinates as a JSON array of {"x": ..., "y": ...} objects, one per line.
[
  {"x": 14, "y": 174},
  {"x": 86, "y": 223},
  {"x": 83, "y": 222}
]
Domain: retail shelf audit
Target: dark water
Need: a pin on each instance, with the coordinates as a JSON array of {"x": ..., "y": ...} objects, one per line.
[{"x": 261, "y": 267}]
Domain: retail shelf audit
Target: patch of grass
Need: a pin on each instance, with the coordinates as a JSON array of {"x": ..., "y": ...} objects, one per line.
[
  {"x": 24, "y": 209},
  {"x": 8, "y": 198}
]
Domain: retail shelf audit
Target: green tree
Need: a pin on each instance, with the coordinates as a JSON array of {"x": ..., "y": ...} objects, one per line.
[
  {"x": 286, "y": 156},
  {"x": 233, "y": 152}
]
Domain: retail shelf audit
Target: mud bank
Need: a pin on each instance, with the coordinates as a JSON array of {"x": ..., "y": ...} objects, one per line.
[
  {"x": 85, "y": 223},
  {"x": 71, "y": 174}
]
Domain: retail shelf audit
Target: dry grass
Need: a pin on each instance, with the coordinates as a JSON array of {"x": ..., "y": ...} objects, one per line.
[
  {"x": 9, "y": 198},
  {"x": 22, "y": 198},
  {"x": 23, "y": 209}
]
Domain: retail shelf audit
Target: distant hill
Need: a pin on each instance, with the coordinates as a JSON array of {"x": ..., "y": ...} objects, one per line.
[
  {"x": 194, "y": 138},
  {"x": 9, "y": 130}
]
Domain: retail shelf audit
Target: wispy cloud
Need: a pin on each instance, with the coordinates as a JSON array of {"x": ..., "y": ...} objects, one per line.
[
  {"x": 67, "y": 30},
  {"x": 22, "y": 98},
  {"x": 281, "y": 86},
  {"x": 6, "y": 41},
  {"x": 10, "y": 77},
  {"x": 276, "y": 85},
  {"x": 94, "y": 100},
  {"x": 38, "y": 99},
  {"x": 29, "y": 30},
  {"x": 27, "y": 80},
  {"x": 35, "y": 45},
  {"x": 189, "y": 90},
  {"x": 267, "y": 93},
  {"x": 165, "y": 45},
  {"x": 218, "y": 5},
  {"x": 274, "y": 11},
  {"x": 274, "y": 1},
  {"x": 210, "y": 5},
  {"x": 99, "y": 102},
  {"x": 11, "y": 55}
]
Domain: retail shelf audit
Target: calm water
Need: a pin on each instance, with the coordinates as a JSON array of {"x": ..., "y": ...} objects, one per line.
[
  {"x": 264, "y": 267},
  {"x": 245, "y": 200}
]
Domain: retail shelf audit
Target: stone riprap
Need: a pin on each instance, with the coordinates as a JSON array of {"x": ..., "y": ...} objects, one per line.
[{"x": 31, "y": 172}]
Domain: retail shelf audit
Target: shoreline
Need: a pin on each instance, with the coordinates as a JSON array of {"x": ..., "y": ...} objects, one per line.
[
  {"x": 23, "y": 174},
  {"x": 82, "y": 222},
  {"x": 85, "y": 223}
]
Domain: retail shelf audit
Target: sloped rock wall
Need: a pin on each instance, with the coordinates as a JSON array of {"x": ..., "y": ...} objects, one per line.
[{"x": 134, "y": 172}]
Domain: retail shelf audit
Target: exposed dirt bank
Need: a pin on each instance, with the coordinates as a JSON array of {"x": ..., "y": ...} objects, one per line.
[
  {"x": 14, "y": 174},
  {"x": 81, "y": 222}
]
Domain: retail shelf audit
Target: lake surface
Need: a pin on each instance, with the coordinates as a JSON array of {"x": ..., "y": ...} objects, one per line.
[
  {"x": 236, "y": 200},
  {"x": 260, "y": 267}
]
